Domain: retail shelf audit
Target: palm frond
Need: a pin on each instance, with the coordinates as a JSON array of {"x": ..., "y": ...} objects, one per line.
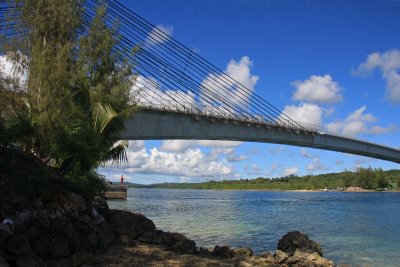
[{"x": 117, "y": 154}]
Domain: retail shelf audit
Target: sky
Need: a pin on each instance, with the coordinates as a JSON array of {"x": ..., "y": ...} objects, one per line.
[{"x": 335, "y": 64}]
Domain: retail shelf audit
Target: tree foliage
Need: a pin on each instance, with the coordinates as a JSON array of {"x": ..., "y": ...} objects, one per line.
[
  {"x": 368, "y": 178},
  {"x": 72, "y": 108}
]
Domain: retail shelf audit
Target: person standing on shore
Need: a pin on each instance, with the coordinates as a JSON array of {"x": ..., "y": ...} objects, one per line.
[{"x": 122, "y": 179}]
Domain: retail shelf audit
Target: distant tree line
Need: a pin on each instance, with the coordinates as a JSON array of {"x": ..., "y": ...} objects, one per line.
[{"x": 367, "y": 178}]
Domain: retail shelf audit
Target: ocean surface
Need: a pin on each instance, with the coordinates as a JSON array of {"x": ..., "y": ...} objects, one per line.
[{"x": 357, "y": 228}]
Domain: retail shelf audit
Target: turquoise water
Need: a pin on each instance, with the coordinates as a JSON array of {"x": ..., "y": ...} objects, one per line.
[{"x": 356, "y": 228}]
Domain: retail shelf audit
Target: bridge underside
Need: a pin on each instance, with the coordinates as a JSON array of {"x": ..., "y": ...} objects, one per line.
[{"x": 160, "y": 125}]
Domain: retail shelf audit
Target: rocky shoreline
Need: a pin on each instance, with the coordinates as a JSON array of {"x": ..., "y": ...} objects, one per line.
[{"x": 73, "y": 232}]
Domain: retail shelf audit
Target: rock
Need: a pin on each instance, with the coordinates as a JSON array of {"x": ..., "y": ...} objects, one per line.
[
  {"x": 3, "y": 262},
  {"x": 106, "y": 235},
  {"x": 98, "y": 219},
  {"x": 85, "y": 219},
  {"x": 125, "y": 239},
  {"x": 21, "y": 221},
  {"x": 42, "y": 246},
  {"x": 34, "y": 231},
  {"x": 129, "y": 223},
  {"x": 185, "y": 245},
  {"x": 318, "y": 260},
  {"x": 292, "y": 260},
  {"x": 19, "y": 245},
  {"x": 92, "y": 239},
  {"x": 73, "y": 236},
  {"x": 6, "y": 230},
  {"x": 60, "y": 248},
  {"x": 205, "y": 251},
  {"x": 297, "y": 240},
  {"x": 242, "y": 252},
  {"x": 222, "y": 251},
  {"x": 158, "y": 237},
  {"x": 280, "y": 256},
  {"x": 55, "y": 215},
  {"x": 147, "y": 237},
  {"x": 100, "y": 204},
  {"x": 30, "y": 260}
]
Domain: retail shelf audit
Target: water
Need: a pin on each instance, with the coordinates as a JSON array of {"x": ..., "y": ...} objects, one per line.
[{"x": 355, "y": 228}]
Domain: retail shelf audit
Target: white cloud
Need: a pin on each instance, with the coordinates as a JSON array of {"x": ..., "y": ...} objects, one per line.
[
  {"x": 358, "y": 122},
  {"x": 182, "y": 145},
  {"x": 317, "y": 89},
  {"x": 309, "y": 114},
  {"x": 289, "y": 171},
  {"x": 160, "y": 34},
  {"x": 316, "y": 165},
  {"x": 14, "y": 74},
  {"x": 147, "y": 92},
  {"x": 189, "y": 163},
  {"x": 305, "y": 154},
  {"x": 239, "y": 71},
  {"x": 383, "y": 130},
  {"x": 389, "y": 64}
]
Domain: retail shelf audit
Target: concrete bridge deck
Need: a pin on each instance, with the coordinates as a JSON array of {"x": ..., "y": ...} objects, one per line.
[{"x": 149, "y": 124}]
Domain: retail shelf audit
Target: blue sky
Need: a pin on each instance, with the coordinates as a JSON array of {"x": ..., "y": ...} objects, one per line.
[{"x": 332, "y": 63}]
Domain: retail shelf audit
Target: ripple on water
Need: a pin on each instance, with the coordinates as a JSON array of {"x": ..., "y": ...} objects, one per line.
[{"x": 356, "y": 228}]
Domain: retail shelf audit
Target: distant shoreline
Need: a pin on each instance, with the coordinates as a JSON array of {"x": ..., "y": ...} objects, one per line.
[{"x": 274, "y": 190}]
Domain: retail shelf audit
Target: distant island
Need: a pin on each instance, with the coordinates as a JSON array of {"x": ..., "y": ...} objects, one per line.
[{"x": 362, "y": 179}]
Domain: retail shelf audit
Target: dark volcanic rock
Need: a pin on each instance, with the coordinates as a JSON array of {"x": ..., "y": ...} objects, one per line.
[
  {"x": 129, "y": 223},
  {"x": 6, "y": 230},
  {"x": 222, "y": 251},
  {"x": 297, "y": 240},
  {"x": 19, "y": 245},
  {"x": 3, "y": 262},
  {"x": 60, "y": 248},
  {"x": 30, "y": 260},
  {"x": 106, "y": 235},
  {"x": 184, "y": 245}
]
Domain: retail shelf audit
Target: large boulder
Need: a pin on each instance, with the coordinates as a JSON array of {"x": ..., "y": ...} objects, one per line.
[
  {"x": 179, "y": 243},
  {"x": 30, "y": 260},
  {"x": 130, "y": 223},
  {"x": 222, "y": 251},
  {"x": 3, "y": 262},
  {"x": 106, "y": 235},
  {"x": 297, "y": 240},
  {"x": 18, "y": 245},
  {"x": 6, "y": 230},
  {"x": 60, "y": 248}
]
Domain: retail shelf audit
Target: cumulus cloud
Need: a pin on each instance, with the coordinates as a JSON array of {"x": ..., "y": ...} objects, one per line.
[
  {"x": 189, "y": 163},
  {"x": 160, "y": 34},
  {"x": 221, "y": 83},
  {"x": 289, "y": 171},
  {"x": 15, "y": 76},
  {"x": 317, "y": 89},
  {"x": 388, "y": 63},
  {"x": 148, "y": 92},
  {"x": 304, "y": 153},
  {"x": 316, "y": 165},
  {"x": 358, "y": 122},
  {"x": 305, "y": 113},
  {"x": 182, "y": 145}
]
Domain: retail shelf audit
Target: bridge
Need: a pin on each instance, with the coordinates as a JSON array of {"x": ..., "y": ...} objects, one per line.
[{"x": 180, "y": 95}]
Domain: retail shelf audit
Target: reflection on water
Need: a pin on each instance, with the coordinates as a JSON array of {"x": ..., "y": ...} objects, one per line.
[{"x": 358, "y": 228}]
